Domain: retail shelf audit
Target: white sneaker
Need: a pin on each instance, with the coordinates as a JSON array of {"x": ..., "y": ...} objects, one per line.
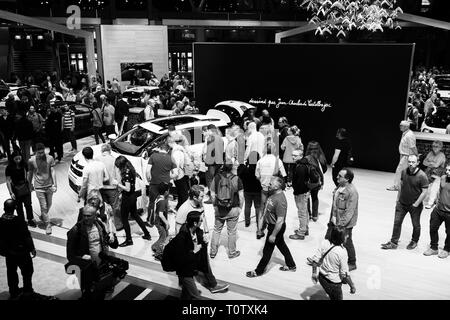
[{"x": 443, "y": 254}]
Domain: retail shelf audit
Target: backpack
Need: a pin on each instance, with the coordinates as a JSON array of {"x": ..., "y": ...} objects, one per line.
[
  {"x": 225, "y": 191},
  {"x": 168, "y": 262},
  {"x": 313, "y": 181}
]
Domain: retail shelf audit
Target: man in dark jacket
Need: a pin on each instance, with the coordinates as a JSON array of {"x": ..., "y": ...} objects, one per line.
[
  {"x": 23, "y": 131},
  {"x": 252, "y": 188},
  {"x": 54, "y": 129},
  {"x": 191, "y": 256},
  {"x": 301, "y": 194},
  {"x": 17, "y": 246},
  {"x": 87, "y": 247}
]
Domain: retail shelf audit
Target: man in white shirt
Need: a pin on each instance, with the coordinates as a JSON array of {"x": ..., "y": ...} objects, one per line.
[
  {"x": 406, "y": 148},
  {"x": 194, "y": 203},
  {"x": 94, "y": 174},
  {"x": 255, "y": 142},
  {"x": 109, "y": 190},
  {"x": 149, "y": 114},
  {"x": 266, "y": 168},
  {"x": 181, "y": 180}
]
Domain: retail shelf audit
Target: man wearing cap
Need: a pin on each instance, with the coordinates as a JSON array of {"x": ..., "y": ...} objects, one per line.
[{"x": 406, "y": 148}]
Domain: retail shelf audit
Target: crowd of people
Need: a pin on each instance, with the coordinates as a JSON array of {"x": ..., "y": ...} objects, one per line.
[{"x": 423, "y": 99}]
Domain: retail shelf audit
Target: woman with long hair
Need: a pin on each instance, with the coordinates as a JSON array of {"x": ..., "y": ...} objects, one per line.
[
  {"x": 316, "y": 157},
  {"x": 128, "y": 205},
  {"x": 18, "y": 186}
]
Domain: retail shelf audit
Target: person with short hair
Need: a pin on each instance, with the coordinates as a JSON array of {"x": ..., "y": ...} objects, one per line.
[
  {"x": 23, "y": 132},
  {"x": 435, "y": 167},
  {"x": 213, "y": 155},
  {"x": 42, "y": 178},
  {"x": 191, "y": 256},
  {"x": 441, "y": 213},
  {"x": 406, "y": 148},
  {"x": 316, "y": 157},
  {"x": 344, "y": 211},
  {"x": 108, "y": 116},
  {"x": 97, "y": 123},
  {"x": 291, "y": 143},
  {"x": 275, "y": 216},
  {"x": 179, "y": 157},
  {"x": 342, "y": 151},
  {"x": 229, "y": 214},
  {"x": 54, "y": 129},
  {"x": 16, "y": 245},
  {"x": 94, "y": 174},
  {"x": 331, "y": 260},
  {"x": 69, "y": 127},
  {"x": 252, "y": 189},
  {"x": 413, "y": 189},
  {"x": 194, "y": 203},
  {"x": 255, "y": 142},
  {"x": 161, "y": 220}
]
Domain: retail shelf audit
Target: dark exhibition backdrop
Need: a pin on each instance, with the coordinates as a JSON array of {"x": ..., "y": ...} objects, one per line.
[{"x": 318, "y": 87}]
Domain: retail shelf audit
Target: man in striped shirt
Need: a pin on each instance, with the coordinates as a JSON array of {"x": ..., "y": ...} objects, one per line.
[{"x": 69, "y": 126}]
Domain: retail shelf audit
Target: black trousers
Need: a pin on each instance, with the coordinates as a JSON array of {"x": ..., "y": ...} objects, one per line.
[
  {"x": 334, "y": 290},
  {"x": 269, "y": 247},
  {"x": 69, "y": 135},
  {"x": 98, "y": 133},
  {"x": 24, "y": 201},
  {"x": 315, "y": 203},
  {"x": 252, "y": 198},
  {"x": 182, "y": 186},
  {"x": 152, "y": 195},
  {"x": 55, "y": 143},
  {"x": 25, "y": 264},
  {"x": 348, "y": 244},
  {"x": 127, "y": 208},
  {"x": 436, "y": 219}
]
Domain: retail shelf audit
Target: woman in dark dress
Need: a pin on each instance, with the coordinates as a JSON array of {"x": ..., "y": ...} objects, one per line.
[
  {"x": 128, "y": 205},
  {"x": 342, "y": 153}
]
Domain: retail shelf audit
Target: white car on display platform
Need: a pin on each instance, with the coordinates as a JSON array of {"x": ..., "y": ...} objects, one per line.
[
  {"x": 231, "y": 111},
  {"x": 443, "y": 86},
  {"x": 138, "y": 143},
  {"x": 437, "y": 122}
]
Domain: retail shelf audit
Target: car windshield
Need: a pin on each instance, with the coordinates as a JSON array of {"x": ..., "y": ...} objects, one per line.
[
  {"x": 440, "y": 119},
  {"x": 132, "y": 94},
  {"x": 443, "y": 83},
  {"x": 134, "y": 140}
]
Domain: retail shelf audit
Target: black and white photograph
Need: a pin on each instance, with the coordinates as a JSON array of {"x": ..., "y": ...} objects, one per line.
[{"x": 247, "y": 154}]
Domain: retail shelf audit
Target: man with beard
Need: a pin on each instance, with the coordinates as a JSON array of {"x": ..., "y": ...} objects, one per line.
[
  {"x": 275, "y": 216},
  {"x": 54, "y": 129},
  {"x": 42, "y": 178},
  {"x": 413, "y": 189}
]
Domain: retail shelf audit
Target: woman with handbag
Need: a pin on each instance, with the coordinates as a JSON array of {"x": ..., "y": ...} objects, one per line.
[
  {"x": 331, "y": 260},
  {"x": 18, "y": 186},
  {"x": 316, "y": 158},
  {"x": 128, "y": 206}
]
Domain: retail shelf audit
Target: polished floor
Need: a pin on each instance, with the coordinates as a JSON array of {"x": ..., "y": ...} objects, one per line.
[{"x": 397, "y": 274}]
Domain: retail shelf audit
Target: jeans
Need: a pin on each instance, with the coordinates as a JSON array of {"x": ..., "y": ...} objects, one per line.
[
  {"x": 189, "y": 289},
  {"x": 301, "y": 200},
  {"x": 45, "y": 197},
  {"x": 182, "y": 186},
  {"x": 315, "y": 203},
  {"x": 127, "y": 208},
  {"x": 25, "y": 146},
  {"x": 269, "y": 247},
  {"x": 348, "y": 244},
  {"x": 163, "y": 239},
  {"x": 231, "y": 219},
  {"x": 436, "y": 219},
  {"x": 111, "y": 197},
  {"x": 264, "y": 197},
  {"x": 334, "y": 290},
  {"x": 25, "y": 264},
  {"x": 402, "y": 165},
  {"x": 98, "y": 133},
  {"x": 70, "y": 136},
  {"x": 400, "y": 213},
  {"x": 255, "y": 198},
  {"x": 212, "y": 170},
  {"x": 24, "y": 201}
]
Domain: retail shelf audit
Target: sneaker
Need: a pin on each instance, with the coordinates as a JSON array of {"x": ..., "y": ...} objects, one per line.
[
  {"x": 389, "y": 245},
  {"x": 219, "y": 288},
  {"x": 126, "y": 243},
  {"x": 307, "y": 232},
  {"x": 32, "y": 223},
  {"x": 48, "y": 230},
  {"x": 430, "y": 252},
  {"x": 393, "y": 188},
  {"x": 296, "y": 236},
  {"x": 247, "y": 224},
  {"x": 351, "y": 267},
  {"x": 260, "y": 235},
  {"x": 286, "y": 268},
  {"x": 234, "y": 255},
  {"x": 212, "y": 256},
  {"x": 412, "y": 245},
  {"x": 315, "y": 219},
  {"x": 443, "y": 254}
]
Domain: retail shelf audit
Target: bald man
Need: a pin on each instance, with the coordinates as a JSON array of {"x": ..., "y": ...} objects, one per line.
[
  {"x": 406, "y": 148},
  {"x": 413, "y": 189}
]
